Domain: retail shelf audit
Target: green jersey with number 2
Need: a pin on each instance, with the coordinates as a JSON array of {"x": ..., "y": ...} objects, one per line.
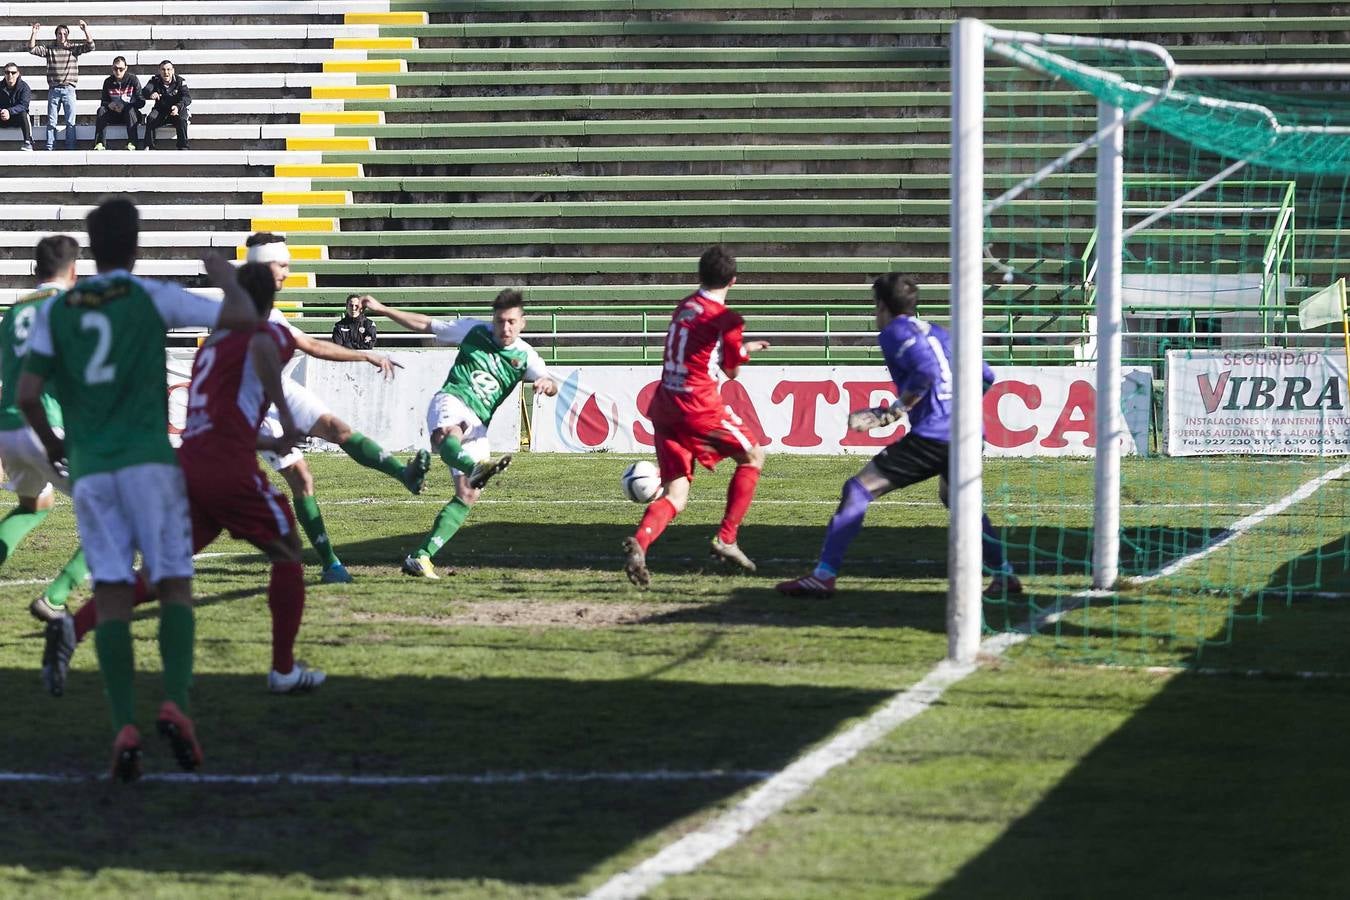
[{"x": 101, "y": 347}]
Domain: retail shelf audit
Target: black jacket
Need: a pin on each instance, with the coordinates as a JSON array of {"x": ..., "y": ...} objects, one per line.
[
  {"x": 128, "y": 90},
  {"x": 17, "y": 98},
  {"x": 358, "y": 334},
  {"x": 175, "y": 93}
]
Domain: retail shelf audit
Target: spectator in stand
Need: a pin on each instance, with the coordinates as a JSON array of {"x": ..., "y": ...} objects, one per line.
[
  {"x": 120, "y": 101},
  {"x": 354, "y": 330},
  {"x": 169, "y": 94},
  {"x": 15, "y": 95},
  {"x": 63, "y": 71}
]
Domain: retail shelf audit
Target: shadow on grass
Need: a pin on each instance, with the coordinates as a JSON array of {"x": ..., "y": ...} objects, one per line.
[
  {"x": 1222, "y": 785},
  {"x": 531, "y": 832}
]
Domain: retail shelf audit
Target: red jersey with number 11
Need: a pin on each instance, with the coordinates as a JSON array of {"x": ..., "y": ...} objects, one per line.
[
  {"x": 226, "y": 401},
  {"x": 702, "y": 331}
]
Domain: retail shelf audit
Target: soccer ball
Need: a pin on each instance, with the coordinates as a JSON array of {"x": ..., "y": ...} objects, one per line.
[{"x": 642, "y": 482}]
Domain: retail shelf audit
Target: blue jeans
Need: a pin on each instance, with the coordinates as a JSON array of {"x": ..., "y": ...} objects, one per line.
[{"x": 56, "y": 98}]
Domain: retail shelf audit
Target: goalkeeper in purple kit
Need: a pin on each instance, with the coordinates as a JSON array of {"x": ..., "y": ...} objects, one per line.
[{"x": 918, "y": 355}]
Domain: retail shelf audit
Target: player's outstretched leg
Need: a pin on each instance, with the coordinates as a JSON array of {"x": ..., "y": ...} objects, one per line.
[
  {"x": 654, "y": 521},
  {"x": 843, "y": 528},
  {"x": 484, "y": 471},
  {"x": 15, "y": 527},
  {"x": 50, "y": 605},
  {"x": 412, "y": 474}
]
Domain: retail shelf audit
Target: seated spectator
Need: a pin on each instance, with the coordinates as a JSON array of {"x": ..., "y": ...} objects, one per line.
[
  {"x": 169, "y": 94},
  {"x": 63, "y": 71},
  {"x": 120, "y": 101},
  {"x": 15, "y": 95},
  {"x": 354, "y": 330}
]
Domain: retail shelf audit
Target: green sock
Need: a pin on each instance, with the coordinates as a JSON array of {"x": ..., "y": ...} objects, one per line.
[
  {"x": 372, "y": 455},
  {"x": 453, "y": 453},
  {"x": 307, "y": 511},
  {"x": 71, "y": 576},
  {"x": 15, "y": 527},
  {"x": 447, "y": 523},
  {"x": 112, "y": 642},
  {"x": 177, "y": 628}
]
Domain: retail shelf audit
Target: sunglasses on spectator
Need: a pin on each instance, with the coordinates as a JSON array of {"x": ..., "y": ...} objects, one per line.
[{"x": 11, "y": 71}]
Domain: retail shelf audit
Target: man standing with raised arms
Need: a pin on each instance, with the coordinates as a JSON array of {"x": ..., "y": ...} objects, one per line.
[
  {"x": 492, "y": 360},
  {"x": 691, "y": 421},
  {"x": 314, "y": 418},
  {"x": 101, "y": 345}
]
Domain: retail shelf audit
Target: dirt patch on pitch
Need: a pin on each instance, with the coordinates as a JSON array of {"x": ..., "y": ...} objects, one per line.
[{"x": 533, "y": 615}]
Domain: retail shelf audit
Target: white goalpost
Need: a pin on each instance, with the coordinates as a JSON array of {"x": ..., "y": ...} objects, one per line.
[{"x": 972, "y": 39}]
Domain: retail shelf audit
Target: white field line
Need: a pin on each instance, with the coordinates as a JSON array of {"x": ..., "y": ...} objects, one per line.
[
  {"x": 717, "y": 501},
  {"x": 697, "y": 847},
  {"x": 485, "y": 778}
]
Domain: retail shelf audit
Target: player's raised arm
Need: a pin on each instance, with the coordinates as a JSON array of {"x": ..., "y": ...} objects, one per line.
[
  {"x": 238, "y": 310},
  {"x": 267, "y": 366},
  {"x": 413, "y": 321}
]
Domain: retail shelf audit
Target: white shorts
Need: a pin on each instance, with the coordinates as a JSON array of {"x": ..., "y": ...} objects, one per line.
[
  {"x": 306, "y": 408},
  {"x": 143, "y": 508},
  {"x": 448, "y": 411},
  {"x": 29, "y": 472}
]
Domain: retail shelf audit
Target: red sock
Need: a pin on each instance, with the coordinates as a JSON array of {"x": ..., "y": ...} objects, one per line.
[
  {"x": 739, "y": 494},
  {"x": 86, "y": 617},
  {"x": 654, "y": 521},
  {"x": 286, "y": 600}
]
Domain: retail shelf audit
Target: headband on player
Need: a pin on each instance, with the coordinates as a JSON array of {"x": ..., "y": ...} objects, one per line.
[{"x": 276, "y": 251}]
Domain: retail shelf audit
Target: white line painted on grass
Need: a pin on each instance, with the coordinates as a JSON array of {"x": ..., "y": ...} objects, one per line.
[
  {"x": 696, "y": 848},
  {"x": 1246, "y": 524},
  {"x": 719, "y": 502},
  {"x": 484, "y": 778}
]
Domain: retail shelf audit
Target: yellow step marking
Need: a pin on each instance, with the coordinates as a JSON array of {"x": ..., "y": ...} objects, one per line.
[
  {"x": 365, "y": 65},
  {"x": 352, "y": 92},
  {"x": 289, "y": 226},
  {"x": 330, "y": 143},
  {"x": 380, "y": 43},
  {"x": 347, "y": 117},
  {"x": 307, "y": 198},
  {"x": 317, "y": 170},
  {"x": 298, "y": 251},
  {"x": 385, "y": 18}
]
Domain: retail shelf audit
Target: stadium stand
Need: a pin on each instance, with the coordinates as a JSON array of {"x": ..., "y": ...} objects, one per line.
[{"x": 429, "y": 152}]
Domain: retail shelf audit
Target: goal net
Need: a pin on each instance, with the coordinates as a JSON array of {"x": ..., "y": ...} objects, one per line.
[{"x": 1165, "y": 450}]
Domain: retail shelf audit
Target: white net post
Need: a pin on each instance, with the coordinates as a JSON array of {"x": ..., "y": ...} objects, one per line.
[
  {"x": 1110, "y": 251},
  {"x": 964, "y": 606}
]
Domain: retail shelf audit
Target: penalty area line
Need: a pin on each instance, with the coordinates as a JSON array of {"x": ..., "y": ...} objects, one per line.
[
  {"x": 338, "y": 779},
  {"x": 691, "y": 851}
]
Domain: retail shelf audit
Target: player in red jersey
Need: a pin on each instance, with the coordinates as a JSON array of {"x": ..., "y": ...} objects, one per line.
[
  {"x": 690, "y": 420},
  {"x": 235, "y": 377}
]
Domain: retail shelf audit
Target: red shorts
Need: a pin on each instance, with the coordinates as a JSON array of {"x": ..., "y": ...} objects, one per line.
[
  {"x": 682, "y": 437},
  {"x": 241, "y": 501}
]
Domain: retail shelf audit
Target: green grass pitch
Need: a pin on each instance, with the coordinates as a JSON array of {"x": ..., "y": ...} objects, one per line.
[{"x": 1068, "y": 768}]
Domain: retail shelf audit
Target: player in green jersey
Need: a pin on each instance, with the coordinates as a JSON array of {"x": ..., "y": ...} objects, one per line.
[
  {"x": 492, "y": 360},
  {"x": 101, "y": 346},
  {"x": 30, "y": 473}
]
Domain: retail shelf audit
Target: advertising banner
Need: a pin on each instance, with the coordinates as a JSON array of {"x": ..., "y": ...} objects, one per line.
[
  {"x": 1270, "y": 402},
  {"x": 1030, "y": 411}
]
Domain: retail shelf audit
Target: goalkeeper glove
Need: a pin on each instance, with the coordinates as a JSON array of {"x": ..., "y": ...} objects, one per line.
[{"x": 877, "y": 417}]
